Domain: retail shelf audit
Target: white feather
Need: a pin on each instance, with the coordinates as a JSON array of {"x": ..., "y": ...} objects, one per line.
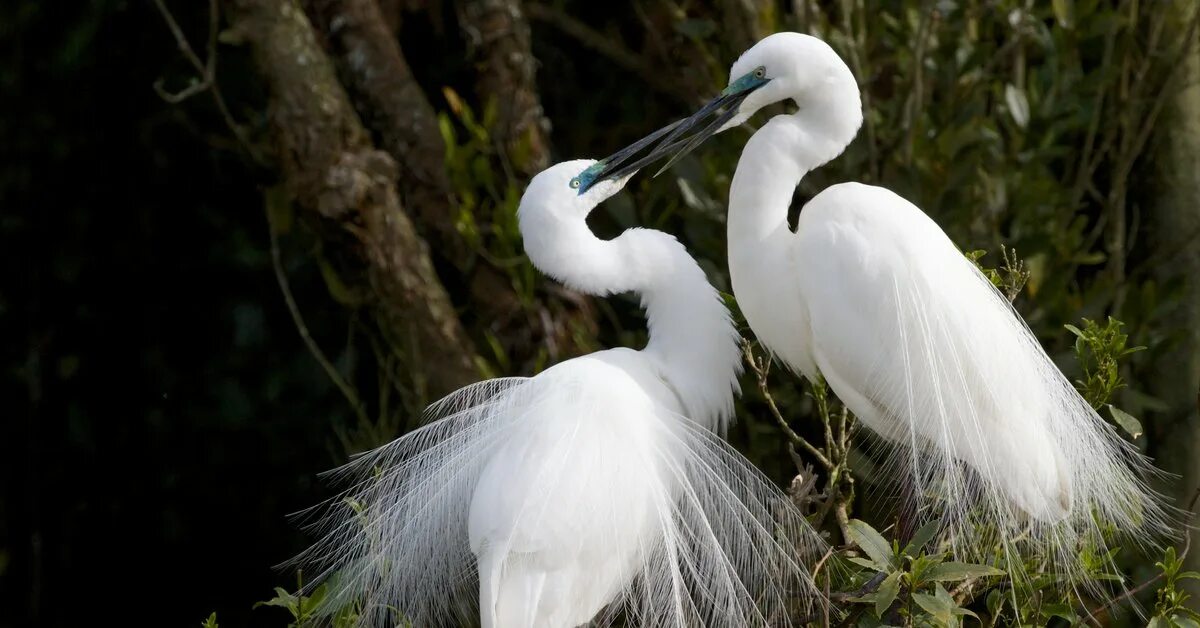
[
  {"x": 596, "y": 490},
  {"x": 871, "y": 294}
]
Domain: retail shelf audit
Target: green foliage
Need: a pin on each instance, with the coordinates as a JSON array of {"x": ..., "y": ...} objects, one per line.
[
  {"x": 1009, "y": 278},
  {"x": 1099, "y": 349},
  {"x": 304, "y": 608},
  {"x": 913, "y": 584},
  {"x": 1013, "y": 124},
  {"x": 300, "y": 606},
  {"x": 210, "y": 621},
  {"x": 1169, "y": 608},
  {"x": 487, "y": 194}
]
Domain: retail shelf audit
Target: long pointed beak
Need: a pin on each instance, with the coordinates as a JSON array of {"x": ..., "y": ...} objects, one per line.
[{"x": 671, "y": 141}]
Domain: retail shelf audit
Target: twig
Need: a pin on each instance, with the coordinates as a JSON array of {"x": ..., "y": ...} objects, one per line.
[
  {"x": 825, "y": 605},
  {"x": 867, "y": 588},
  {"x": 207, "y": 69},
  {"x": 761, "y": 368},
  {"x": 1086, "y": 167},
  {"x": 840, "y": 512},
  {"x": 821, "y": 563},
  {"x": 298, "y": 319}
]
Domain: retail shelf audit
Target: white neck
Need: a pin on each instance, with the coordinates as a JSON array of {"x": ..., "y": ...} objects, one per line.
[
  {"x": 691, "y": 337},
  {"x": 778, "y": 156},
  {"x": 691, "y": 333}
]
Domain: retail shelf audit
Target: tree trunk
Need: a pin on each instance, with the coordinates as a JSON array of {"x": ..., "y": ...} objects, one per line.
[
  {"x": 507, "y": 74},
  {"x": 346, "y": 187},
  {"x": 377, "y": 76},
  {"x": 1176, "y": 219},
  {"x": 374, "y": 70}
]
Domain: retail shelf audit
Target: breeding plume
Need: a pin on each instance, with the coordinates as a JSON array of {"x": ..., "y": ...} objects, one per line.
[
  {"x": 870, "y": 294},
  {"x": 600, "y": 488}
]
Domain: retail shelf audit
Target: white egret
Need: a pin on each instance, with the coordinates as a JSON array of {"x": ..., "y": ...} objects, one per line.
[
  {"x": 600, "y": 487},
  {"x": 870, "y": 294}
]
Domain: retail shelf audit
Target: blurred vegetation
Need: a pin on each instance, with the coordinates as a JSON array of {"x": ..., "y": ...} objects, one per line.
[{"x": 168, "y": 414}]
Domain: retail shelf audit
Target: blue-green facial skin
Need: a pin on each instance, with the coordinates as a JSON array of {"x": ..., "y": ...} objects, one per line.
[
  {"x": 744, "y": 83},
  {"x": 587, "y": 177}
]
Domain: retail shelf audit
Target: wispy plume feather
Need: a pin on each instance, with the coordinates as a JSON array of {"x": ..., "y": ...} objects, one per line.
[{"x": 715, "y": 543}]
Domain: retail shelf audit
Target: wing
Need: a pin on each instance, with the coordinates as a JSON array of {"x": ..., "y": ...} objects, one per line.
[
  {"x": 579, "y": 494},
  {"x": 920, "y": 345},
  {"x": 393, "y": 544}
]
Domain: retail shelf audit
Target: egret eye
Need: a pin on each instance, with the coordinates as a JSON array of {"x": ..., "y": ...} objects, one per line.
[
  {"x": 760, "y": 72},
  {"x": 575, "y": 183}
]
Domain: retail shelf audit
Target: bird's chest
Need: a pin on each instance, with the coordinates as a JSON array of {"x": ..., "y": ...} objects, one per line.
[{"x": 768, "y": 293}]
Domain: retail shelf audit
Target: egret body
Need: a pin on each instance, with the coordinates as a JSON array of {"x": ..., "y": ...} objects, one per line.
[
  {"x": 871, "y": 295},
  {"x": 599, "y": 486}
]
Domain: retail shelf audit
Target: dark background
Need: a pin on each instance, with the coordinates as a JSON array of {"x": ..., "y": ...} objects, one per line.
[{"x": 161, "y": 416}]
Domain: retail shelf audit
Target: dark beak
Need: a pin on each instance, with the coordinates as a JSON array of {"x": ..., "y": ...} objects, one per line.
[{"x": 672, "y": 141}]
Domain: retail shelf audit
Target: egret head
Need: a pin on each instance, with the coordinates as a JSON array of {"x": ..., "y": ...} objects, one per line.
[
  {"x": 570, "y": 188},
  {"x": 783, "y": 66},
  {"x": 792, "y": 66},
  {"x": 555, "y": 207}
]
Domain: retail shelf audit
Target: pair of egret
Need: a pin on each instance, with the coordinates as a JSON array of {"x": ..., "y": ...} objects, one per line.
[{"x": 603, "y": 486}]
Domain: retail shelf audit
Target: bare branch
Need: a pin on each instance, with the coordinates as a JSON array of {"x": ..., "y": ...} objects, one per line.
[
  {"x": 313, "y": 348},
  {"x": 761, "y": 367},
  {"x": 207, "y": 70}
]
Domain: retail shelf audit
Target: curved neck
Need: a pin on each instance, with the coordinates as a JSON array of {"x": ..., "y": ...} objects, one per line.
[
  {"x": 691, "y": 335},
  {"x": 692, "y": 340},
  {"x": 778, "y": 156}
]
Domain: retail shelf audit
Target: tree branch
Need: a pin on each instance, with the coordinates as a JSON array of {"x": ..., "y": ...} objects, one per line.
[
  {"x": 378, "y": 78},
  {"x": 506, "y": 77},
  {"x": 207, "y": 70},
  {"x": 346, "y": 188},
  {"x": 761, "y": 368},
  {"x": 313, "y": 348}
]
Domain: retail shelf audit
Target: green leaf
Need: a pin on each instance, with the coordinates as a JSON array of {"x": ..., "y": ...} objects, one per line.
[
  {"x": 1183, "y": 621},
  {"x": 921, "y": 538},
  {"x": 884, "y": 595},
  {"x": 282, "y": 599},
  {"x": 1018, "y": 104},
  {"x": 1060, "y": 610},
  {"x": 864, "y": 562},
  {"x": 872, "y": 543},
  {"x": 939, "y": 608},
  {"x": 1131, "y": 425},
  {"x": 1064, "y": 12},
  {"x": 995, "y": 602},
  {"x": 310, "y": 603},
  {"x": 1157, "y": 622},
  {"x": 211, "y": 622},
  {"x": 869, "y": 621},
  {"x": 954, "y": 571}
]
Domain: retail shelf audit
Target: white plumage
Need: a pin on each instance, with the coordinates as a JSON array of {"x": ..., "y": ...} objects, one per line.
[
  {"x": 871, "y": 294},
  {"x": 597, "y": 488}
]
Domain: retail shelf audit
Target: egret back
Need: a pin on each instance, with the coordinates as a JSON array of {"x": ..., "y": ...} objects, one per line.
[
  {"x": 582, "y": 492},
  {"x": 562, "y": 510},
  {"x": 930, "y": 356}
]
